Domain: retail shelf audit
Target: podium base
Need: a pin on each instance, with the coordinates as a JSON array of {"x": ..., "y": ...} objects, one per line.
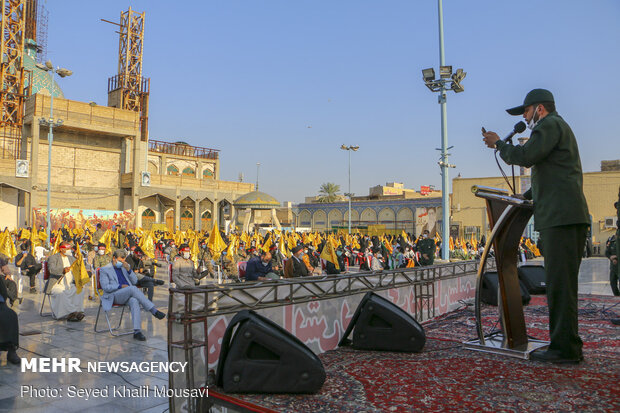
[{"x": 495, "y": 343}]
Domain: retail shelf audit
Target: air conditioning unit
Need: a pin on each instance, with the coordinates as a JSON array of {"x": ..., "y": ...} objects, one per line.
[{"x": 611, "y": 222}]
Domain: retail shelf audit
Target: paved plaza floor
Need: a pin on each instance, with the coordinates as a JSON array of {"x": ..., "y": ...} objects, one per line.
[{"x": 45, "y": 337}]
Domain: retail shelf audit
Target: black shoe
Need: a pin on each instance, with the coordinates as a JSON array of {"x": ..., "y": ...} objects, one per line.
[
  {"x": 615, "y": 321},
  {"x": 159, "y": 315},
  {"x": 33, "y": 290},
  {"x": 158, "y": 282},
  {"x": 550, "y": 356},
  {"x": 139, "y": 336},
  {"x": 12, "y": 357}
]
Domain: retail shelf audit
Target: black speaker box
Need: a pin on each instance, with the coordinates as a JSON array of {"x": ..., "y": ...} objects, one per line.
[
  {"x": 262, "y": 357},
  {"x": 533, "y": 276},
  {"x": 490, "y": 284},
  {"x": 381, "y": 325}
]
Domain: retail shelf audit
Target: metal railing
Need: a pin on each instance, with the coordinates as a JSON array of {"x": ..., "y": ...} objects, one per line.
[
  {"x": 188, "y": 326},
  {"x": 182, "y": 149}
]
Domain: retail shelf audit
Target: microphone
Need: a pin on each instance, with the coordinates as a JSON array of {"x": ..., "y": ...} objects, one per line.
[{"x": 519, "y": 128}]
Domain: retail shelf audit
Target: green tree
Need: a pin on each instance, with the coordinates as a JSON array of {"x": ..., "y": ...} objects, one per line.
[{"x": 328, "y": 192}]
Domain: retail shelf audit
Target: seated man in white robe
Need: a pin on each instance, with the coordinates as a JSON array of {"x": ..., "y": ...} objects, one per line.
[{"x": 64, "y": 299}]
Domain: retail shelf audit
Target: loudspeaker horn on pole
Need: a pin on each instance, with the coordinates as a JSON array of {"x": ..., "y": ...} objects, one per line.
[
  {"x": 262, "y": 357},
  {"x": 382, "y": 325}
]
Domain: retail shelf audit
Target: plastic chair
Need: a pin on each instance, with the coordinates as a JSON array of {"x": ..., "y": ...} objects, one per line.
[
  {"x": 46, "y": 293},
  {"x": 113, "y": 331}
]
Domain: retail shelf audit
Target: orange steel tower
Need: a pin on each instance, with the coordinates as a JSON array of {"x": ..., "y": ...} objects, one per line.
[
  {"x": 12, "y": 91},
  {"x": 128, "y": 89}
]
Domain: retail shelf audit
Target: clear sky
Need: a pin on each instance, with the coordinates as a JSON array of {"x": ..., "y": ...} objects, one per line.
[{"x": 286, "y": 82}]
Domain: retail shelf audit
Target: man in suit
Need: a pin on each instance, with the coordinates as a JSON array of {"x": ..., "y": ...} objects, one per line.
[
  {"x": 118, "y": 282},
  {"x": 64, "y": 299},
  {"x": 295, "y": 266}
]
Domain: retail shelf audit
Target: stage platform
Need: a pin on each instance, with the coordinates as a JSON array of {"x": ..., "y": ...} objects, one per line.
[
  {"x": 447, "y": 377},
  {"x": 44, "y": 337}
]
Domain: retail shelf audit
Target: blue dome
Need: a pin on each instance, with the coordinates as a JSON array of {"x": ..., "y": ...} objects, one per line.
[{"x": 41, "y": 81}]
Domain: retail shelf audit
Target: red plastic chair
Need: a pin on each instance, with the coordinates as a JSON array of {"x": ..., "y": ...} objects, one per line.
[{"x": 113, "y": 331}]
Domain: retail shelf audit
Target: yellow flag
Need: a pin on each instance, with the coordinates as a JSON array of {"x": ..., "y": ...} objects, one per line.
[
  {"x": 25, "y": 234},
  {"x": 57, "y": 242},
  {"x": 282, "y": 247},
  {"x": 147, "y": 244},
  {"x": 329, "y": 253},
  {"x": 80, "y": 276},
  {"x": 7, "y": 247},
  {"x": 194, "y": 247},
  {"x": 267, "y": 244},
  {"x": 106, "y": 238},
  {"x": 233, "y": 246},
  {"x": 215, "y": 243}
]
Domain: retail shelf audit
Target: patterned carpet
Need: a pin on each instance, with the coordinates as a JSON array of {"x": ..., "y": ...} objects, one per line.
[{"x": 447, "y": 377}]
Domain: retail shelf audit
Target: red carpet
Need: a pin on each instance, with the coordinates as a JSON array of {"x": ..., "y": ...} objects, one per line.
[{"x": 447, "y": 377}]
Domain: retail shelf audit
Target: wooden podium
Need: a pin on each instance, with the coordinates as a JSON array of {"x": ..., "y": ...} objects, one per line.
[{"x": 508, "y": 217}]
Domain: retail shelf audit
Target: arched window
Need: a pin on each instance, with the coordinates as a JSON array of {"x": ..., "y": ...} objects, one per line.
[
  {"x": 148, "y": 218},
  {"x": 188, "y": 172},
  {"x": 207, "y": 173},
  {"x": 173, "y": 170},
  {"x": 205, "y": 220},
  {"x": 187, "y": 220},
  {"x": 187, "y": 214}
]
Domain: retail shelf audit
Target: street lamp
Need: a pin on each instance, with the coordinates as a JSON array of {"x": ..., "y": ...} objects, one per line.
[
  {"x": 447, "y": 81},
  {"x": 349, "y": 194},
  {"x": 50, "y": 122}
]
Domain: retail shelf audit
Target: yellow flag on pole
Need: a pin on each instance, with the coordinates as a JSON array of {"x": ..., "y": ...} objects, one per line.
[
  {"x": 329, "y": 253},
  {"x": 80, "y": 276},
  {"x": 147, "y": 244},
  {"x": 7, "y": 247},
  {"x": 215, "y": 243}
]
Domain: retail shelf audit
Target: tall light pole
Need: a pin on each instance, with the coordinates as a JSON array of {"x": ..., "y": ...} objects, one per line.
[
  {"x": 62, "y": 72},
  {"x": 349, "y": 194},
  {"x": 447, "y": 81},
  {"x": 257, "y": 169}
]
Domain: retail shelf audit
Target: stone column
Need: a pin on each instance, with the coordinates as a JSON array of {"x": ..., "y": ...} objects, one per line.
[
  {"x": 274, "y": 219},
  {"x": 215, "y": 214},
  {"x": 177, "y": 212},
  {"x": 197, "y": 217},
  {"x": 246, "y": 220}
]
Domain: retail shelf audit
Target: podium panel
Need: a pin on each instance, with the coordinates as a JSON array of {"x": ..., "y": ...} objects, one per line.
[{"x": 508, "y": 217}]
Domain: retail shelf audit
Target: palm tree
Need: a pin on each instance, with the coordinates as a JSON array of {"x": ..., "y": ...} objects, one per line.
[{"x": 328, "y": 192}]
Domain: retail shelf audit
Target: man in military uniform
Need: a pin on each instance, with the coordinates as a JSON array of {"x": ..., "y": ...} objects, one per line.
[
  {"x": 184, "y": 274},
  {"x": 560, "y": 214},
  {"x": 277, "y": 261},
  {"x": 101, "y": 259},
  {"x": 205, "y": 260},
  {"x": 611, "y": 253},
  {"x": 427, "y": 247}
]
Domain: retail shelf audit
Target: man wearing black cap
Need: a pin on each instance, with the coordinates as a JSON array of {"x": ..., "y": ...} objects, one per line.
[{"x": 560, "y": 214}]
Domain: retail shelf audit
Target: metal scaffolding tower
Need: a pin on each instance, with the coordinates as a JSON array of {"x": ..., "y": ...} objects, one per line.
[{"x": 128, "y": 89}]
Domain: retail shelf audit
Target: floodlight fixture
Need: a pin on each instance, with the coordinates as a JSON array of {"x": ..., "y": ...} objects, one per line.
[
  {"x": 49, "y": 65},
  {"x": 428, "y": 74},
  {"x": 63, "y": 72},
  {"x": 445, "y": 72},
  {"x": 354, "y": 148}
]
